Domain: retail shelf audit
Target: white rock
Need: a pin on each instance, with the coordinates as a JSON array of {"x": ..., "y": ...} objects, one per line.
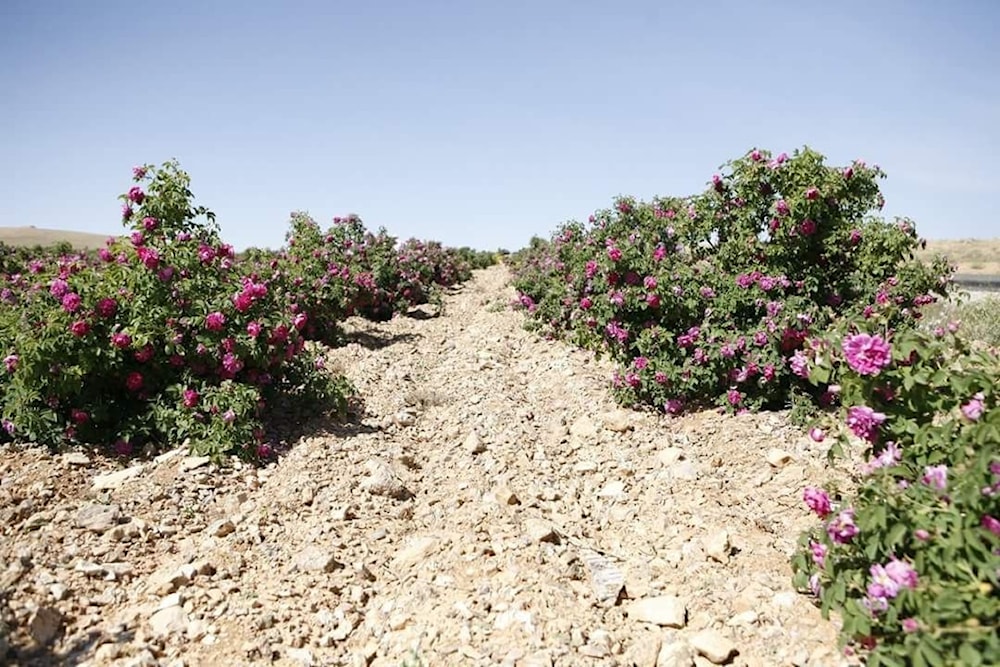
[
  {"x": 415, "y": 552},
  {"x": 606, "y": 579},
  {"x": 583, "y": 428},
  {"x": 168, "y": 621},
  {"x": 675, "y": 654},
  {"x": 189, "y": 463},
  {"x": 113, "y": 480},
  {"x": 172, "y": 600},
  {"x": 303, "y": 656},
  {"x": 713, "y": 645},
  {"x": 315, "y": 559},
  {"x": 684, "y": 470},
  {"x": 664, "y": 610},
  {"x": 97, "y": 518},
  {"x": 75, "y": 459},
  {"x": 643, "y": 651},
  {"x": 221, "y": 527},
  {"x": 539, "y": 530},
  {"x": 717, "y": 546},
  {"x": 670, "y": 455},
  {"x": 618, "y": 421},
  {"x": 779, "y": 457},
  {"x": 743, "y": 619},
  {"x": 474, "y": 444},
  {"x": 612, "y": 489},
  {"x": 382, "y": 481}
]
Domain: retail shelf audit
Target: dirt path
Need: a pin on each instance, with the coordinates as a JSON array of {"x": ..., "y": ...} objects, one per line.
[{"x": 492, "y": 508}]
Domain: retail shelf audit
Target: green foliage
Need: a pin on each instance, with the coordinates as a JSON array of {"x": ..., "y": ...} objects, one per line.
[
  {"x": 163, "y": 338},
  {"x": 708, "y": 299},
  {"x": 928, "y": 498}
]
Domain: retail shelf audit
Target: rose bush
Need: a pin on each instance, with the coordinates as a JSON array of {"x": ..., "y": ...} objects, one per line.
[
  {"x": 710, "y": 299},
  {"x": 911, "y": 560},
  {"x": 165, "y": 338},
  {"x": 348, "y": 270}
]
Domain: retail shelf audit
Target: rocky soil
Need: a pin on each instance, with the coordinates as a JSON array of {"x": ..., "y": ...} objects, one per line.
[{"x": 491, "y": 507}]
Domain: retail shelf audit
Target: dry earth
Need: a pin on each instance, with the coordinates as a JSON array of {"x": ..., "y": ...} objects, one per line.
[
  {"x": 973, "y": 257},
  {"x": 493, "y": 507}
]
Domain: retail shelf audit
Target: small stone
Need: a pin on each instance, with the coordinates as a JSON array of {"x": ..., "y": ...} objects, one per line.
[
  {"x": 414, "y": 553},
  {"x": 643, "y": 651},
  {"x": 618, "y": 421},
  {"x": 168, "y": 621},
  {"x": 670, "y": 455},
  {"x": 342, "y": 631},
  {"x": 113, "y": 480},
  {"x": 539, "y": 530},
  {"x": 598, "y": 644},
  {"x": 784, "y": 599},
  {"x": 779, "y": 457},
  {"x": 302, "y": 656},
  {"x": 75, "y": 459},
  {"x": 166, "y": 581},
  {"x": 606, "y": 579},
  {"x": 343, "y": 513},
  {"x": 713, "y": 645},
  {"x": 583, "y": 428},
  {"x": 474, "y": 444},
  {"x": 58, "y": 591},
  {"x": 189, "y": 463},
  {"x": 675, "y": 654},
  {"x": 664, "y": 610},
  {"x": 505, "y": 496},
  {"x": 97, "y": 518},
  {"x": 382, "y": 481},
  {"x": 743, "y": 619},
  {"x": 172, "y": 600},
  {"x": 717, "y": 546},
  {"x": 537, "y": 659},
  {"x": 221, "y": 527},
  {"x": 404, "y": 419},
  {"x": 166, "y": 456},
  {"x": 45, "y": 624},
  {"x": 116, "y": 571},
  {"x": 89, "y": 569},
  {"x": 684, "y": 470},
  {"x": 613, "y": 489},
  {"x": 315, "y": 559}
]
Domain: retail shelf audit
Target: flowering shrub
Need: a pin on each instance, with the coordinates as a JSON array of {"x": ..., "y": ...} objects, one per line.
[
  {"x": 911, "y": 560},
  {"x": 711, "y": 299},
  {"x": 163, "y": 338},
  {"x": 348, "y": 270}
]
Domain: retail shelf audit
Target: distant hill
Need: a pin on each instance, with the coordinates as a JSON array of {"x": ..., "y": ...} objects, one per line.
[
  {"x": 973, "y": 256},
  {"x": 32, "y": 236}
]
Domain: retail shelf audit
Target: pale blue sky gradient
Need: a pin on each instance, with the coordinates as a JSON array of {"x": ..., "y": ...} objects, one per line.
[{"x": 483, "y": 123}]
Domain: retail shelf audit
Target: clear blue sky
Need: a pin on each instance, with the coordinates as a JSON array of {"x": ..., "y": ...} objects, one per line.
[{"x": 481, "y": 123}]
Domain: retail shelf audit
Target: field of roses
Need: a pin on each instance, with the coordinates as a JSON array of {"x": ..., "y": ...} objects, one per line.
[
  {"x": 165, "y": 336},
  {"x": 781, "y": 287}
]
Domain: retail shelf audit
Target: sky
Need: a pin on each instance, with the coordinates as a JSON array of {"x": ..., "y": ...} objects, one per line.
[{"x": 483, "y": 123}]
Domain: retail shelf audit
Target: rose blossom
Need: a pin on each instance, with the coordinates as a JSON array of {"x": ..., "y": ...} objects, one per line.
[
  {"x": 864, "y": 422},
  {"x": 867, "y": 355}
]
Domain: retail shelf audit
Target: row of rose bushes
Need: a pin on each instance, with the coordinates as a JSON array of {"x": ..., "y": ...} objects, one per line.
[
  {"x": 710, "y": 299},
  {"x": 164, "y": 336},
  {"x": 779, "y": 287}
]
